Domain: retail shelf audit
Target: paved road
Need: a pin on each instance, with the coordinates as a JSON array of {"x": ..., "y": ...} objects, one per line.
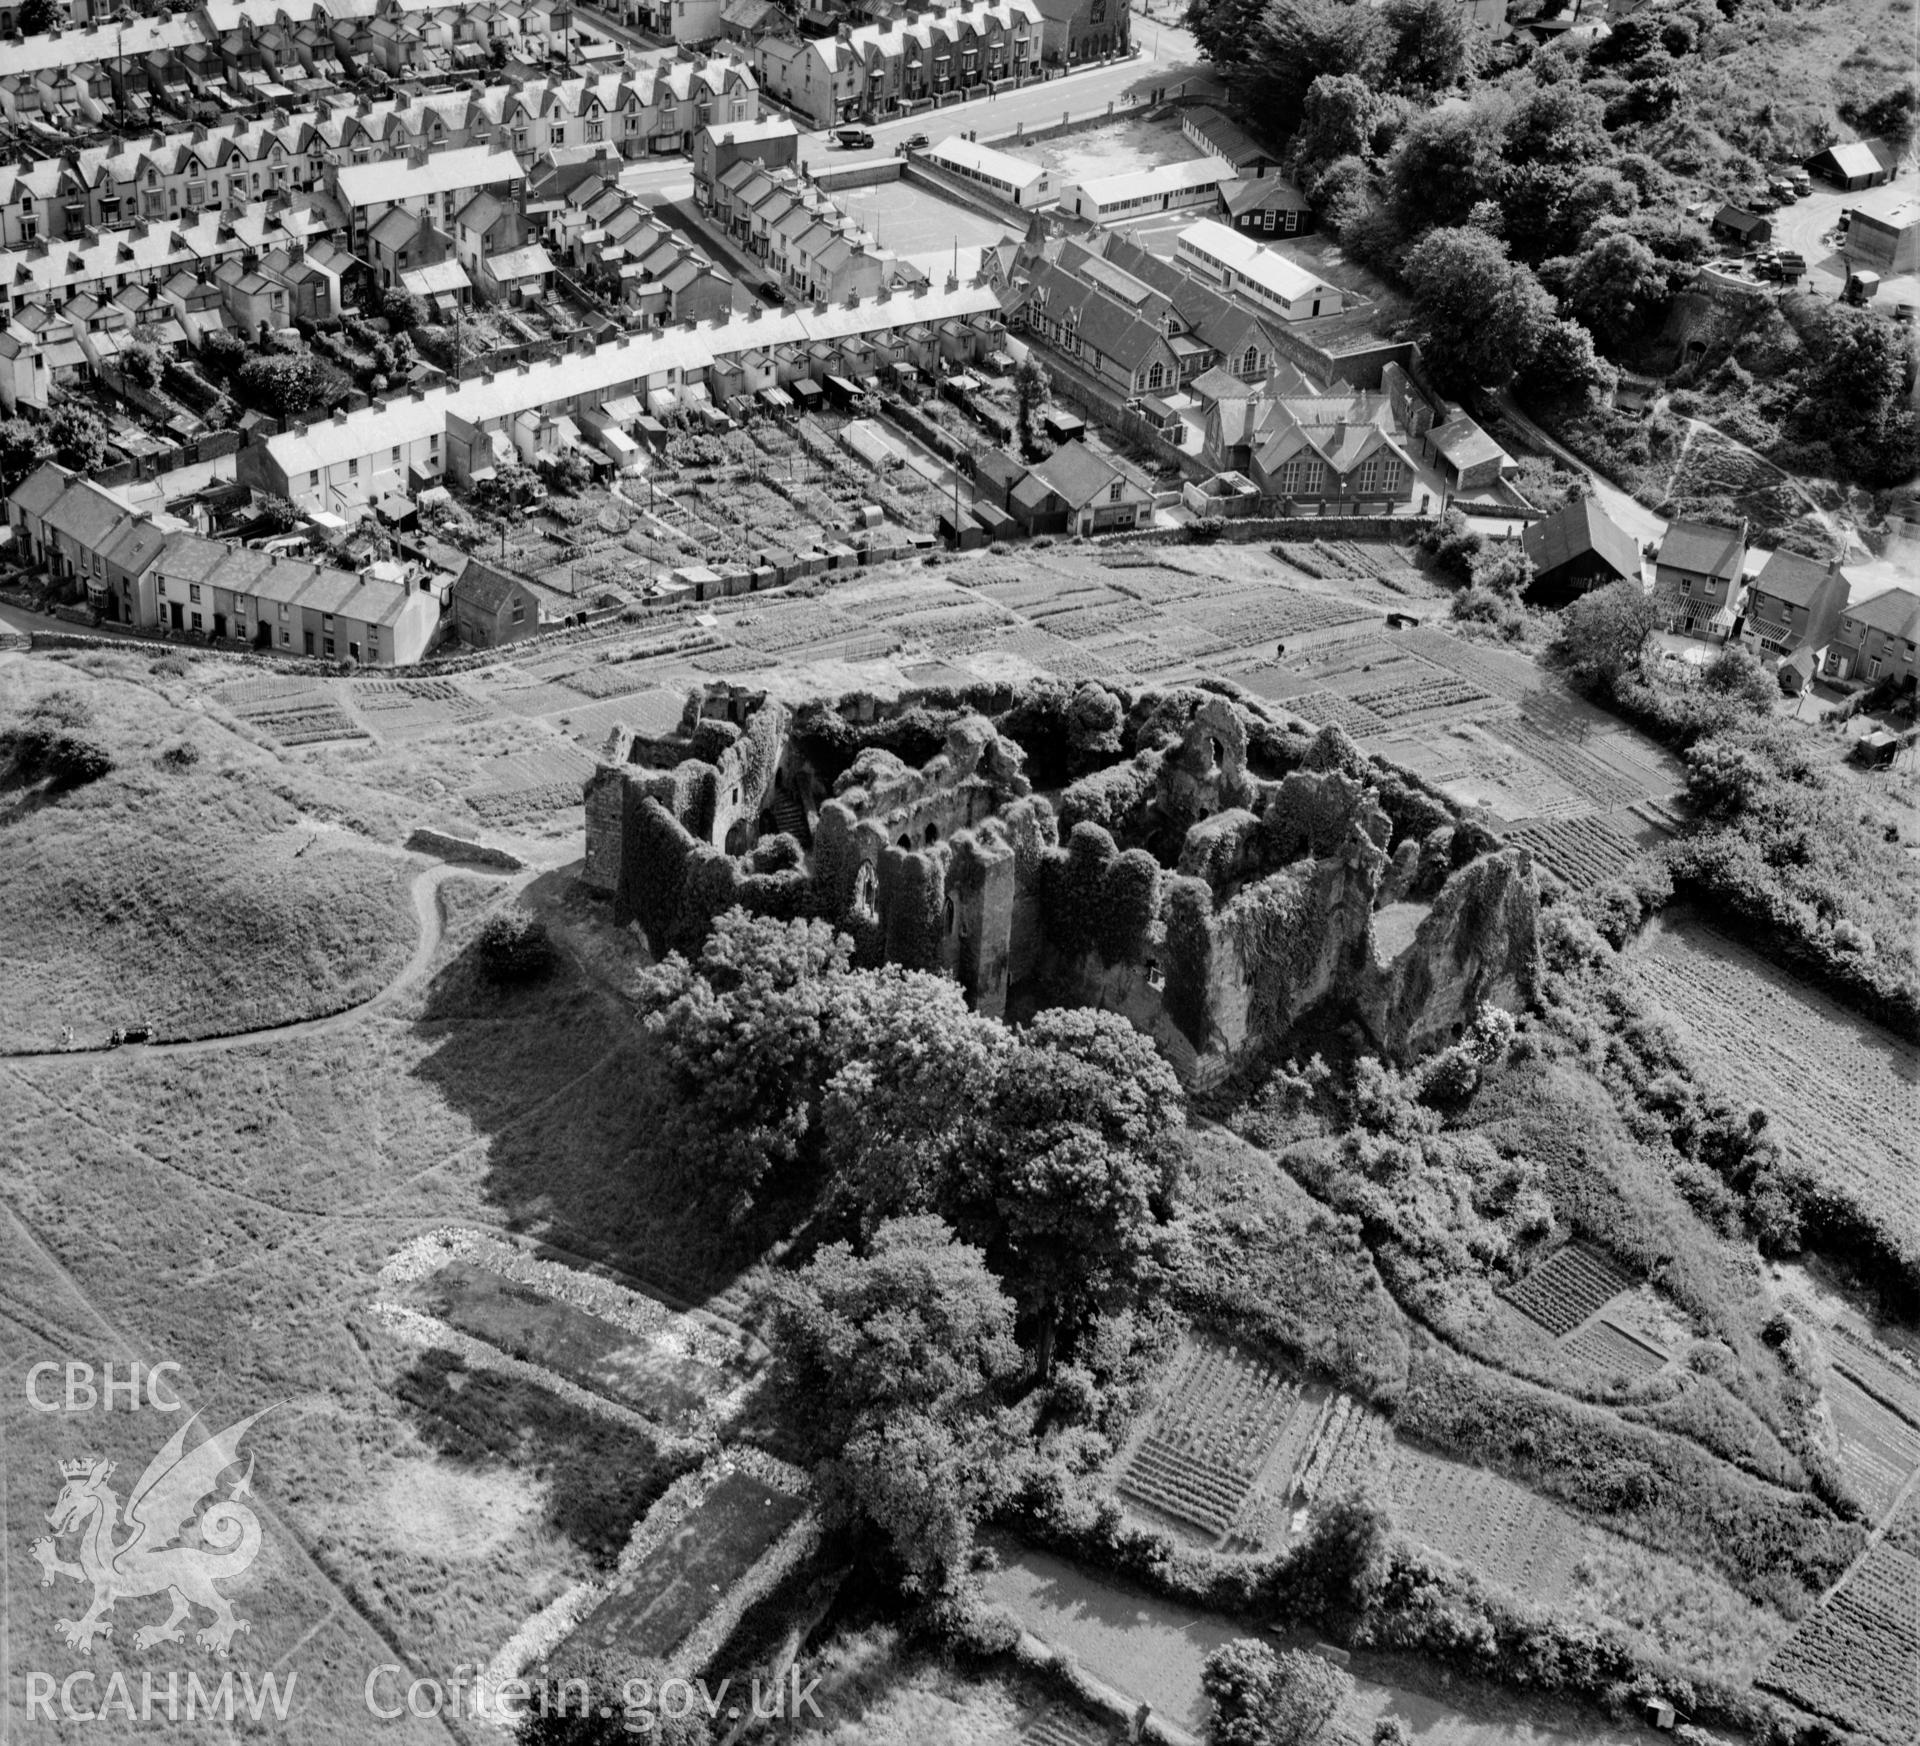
[
  {"x": 17, "y": 618},
  {"x": 1627, "y": 510},
  {"x": 1152, "y": 1650},
  {"x": 1167, "y": 58}
]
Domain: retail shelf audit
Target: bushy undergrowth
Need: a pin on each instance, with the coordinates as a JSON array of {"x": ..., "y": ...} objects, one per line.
[{"x": 1778, "y": 846}]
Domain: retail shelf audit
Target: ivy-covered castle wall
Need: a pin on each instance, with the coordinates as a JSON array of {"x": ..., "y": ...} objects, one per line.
[{"x": 1213, "y": 874}]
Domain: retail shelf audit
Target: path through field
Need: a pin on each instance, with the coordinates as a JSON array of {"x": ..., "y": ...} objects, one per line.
[
  {"x": 426, "y": 909},
  {"x": 1152, "y": 1651}
]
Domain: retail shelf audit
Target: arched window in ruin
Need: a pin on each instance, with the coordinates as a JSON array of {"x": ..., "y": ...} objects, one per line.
[
  {"x": 952, "y": 914},
  {"x": 931, "y": 835},
  {"x": 865, "y": 893},
  {"x": 904, "y": 841},
  {"x": 1219, "y": 755},
  {"x": 739, "y": 837}
]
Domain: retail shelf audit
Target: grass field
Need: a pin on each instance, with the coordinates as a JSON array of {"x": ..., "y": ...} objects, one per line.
[
  {"x": 658, "y": 1601},
  {"x": 875, "y": 1690},
  {"x": 236, "y": 1220},
  {"x": 196, "y": 887}
]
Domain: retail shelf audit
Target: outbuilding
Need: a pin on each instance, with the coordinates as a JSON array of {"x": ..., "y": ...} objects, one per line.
[
  {"x": 1864, "y": 163},
  {"x": 1884, "y": 233},
  {"x": 1737, "y": 225},
  {"x": 1578, "y": 548}
]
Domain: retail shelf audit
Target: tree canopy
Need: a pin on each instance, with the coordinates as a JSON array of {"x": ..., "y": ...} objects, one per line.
[
  {"x": 1482, "y": 315},
  {"x": 898, "y": 1357},
  {"x": 1602, "y": 634}
]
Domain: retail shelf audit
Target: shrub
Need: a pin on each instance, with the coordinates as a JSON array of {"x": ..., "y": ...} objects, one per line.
[{"x": 515, "y": 950}]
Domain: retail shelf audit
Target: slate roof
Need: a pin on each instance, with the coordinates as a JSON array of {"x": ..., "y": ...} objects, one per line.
[
  {"x": 1264, "y": 194},
  {"x": 1570, "y": 533},
  {"x": 1789, "y": 577},
  {"x": 1897, "y": 612},
  {"x": 86, "y": 514},
  {"x": 1704, "y": 548},
  {"x": 1077, "y": 473},
  {"x": 41, "y": 489},
  {"x": 484, "y": 587}
]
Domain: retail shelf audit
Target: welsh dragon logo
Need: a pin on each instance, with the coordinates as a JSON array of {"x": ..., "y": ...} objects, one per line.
[{"x": 150, "y": 1560}]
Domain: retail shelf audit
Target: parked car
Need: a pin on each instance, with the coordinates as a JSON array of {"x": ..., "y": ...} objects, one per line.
[
  {"x": 770, "y": 292},
  {"x": 919, "y": 142}
]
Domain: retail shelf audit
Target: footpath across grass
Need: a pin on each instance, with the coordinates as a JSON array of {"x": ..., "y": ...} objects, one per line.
[{"x": 193, "y": 885}]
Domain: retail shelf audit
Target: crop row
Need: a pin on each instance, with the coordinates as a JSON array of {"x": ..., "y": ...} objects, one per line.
[
  {"x": 1573, "y": 1283},
  {"x": 1348, "y": 1444},
  {"x": 1843, "y": 1103},
  {"x": 1186, "y": 1485},
  {"x": 1887, "y": 1377},
  {"x": 1579, "y": 770},
  {"x": 1613, "y": 1351},
  {"x": 1226, "y": 1405},
  {"x": 1507, "y": 1533},
  {"x": 1395, "y": 701},
  {"x": 1878, "y": 1450},
  {"x": 1585, "y": 852},
  {"x": 1330, "y": 709},
  {"x": 1857, "y": 1660}
]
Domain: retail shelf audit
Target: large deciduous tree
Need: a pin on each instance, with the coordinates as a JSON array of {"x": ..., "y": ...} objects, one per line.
[
  {"x": 1603, "y": 633},
  {"x": 1295, "y": 42},
  {"x": 895, "y": 1360},
  {"x": 1261, "y": 1696},
  {"x": 747, "y": 1038},
  {"x": 1615, "y": 286},
  {"x": 1076, "y": 1164},
  {"x": 1481, "y": 315},
  {"x": 1431, "y": 49}
]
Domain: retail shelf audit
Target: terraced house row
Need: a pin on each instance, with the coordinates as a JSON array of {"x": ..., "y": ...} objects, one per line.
[
  {"x": 863, "y": 73},
  {"x": 72, "y": 307},
  {"x": 802, "y": 233},
  {"x": 460, "y": 433},
  {"x": 155, "y": 572},
  {"x": 229, "y": 54},
  {"x": 166, "y": 175}
]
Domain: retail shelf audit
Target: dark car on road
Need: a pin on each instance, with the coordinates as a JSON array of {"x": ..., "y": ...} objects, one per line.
[
  {"x": 919, "y": 142},
  {"x": 770, "y": 292}
]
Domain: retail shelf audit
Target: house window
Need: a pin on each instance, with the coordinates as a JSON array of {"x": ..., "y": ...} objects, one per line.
[
  {"x": 284, "y": 609},
  {"x": 326, "y": 621},
  {"x": 353, "y": 651},
  {"x": 557, "y": 136},
  {"x": 519, "y": 612},
  {"x": 286, "y": 636},
  {"x": 1251, "y": 362},
  {"x": 353, "y": 469},
  {"x": 313, "y": 479},
  {"x": 433, "y": 445},
  {"x": 396, "y": 454},
  {"x": 195, "y": 620},
  {"x": 1113, "y": 491},
  {"x": 1155, "y": 376},
  {"x": 1873, "y": 666},
  {"x": 193, "y": 590}
]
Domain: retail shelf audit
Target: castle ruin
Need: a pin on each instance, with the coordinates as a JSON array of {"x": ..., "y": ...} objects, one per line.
[{"x": 1215, "y": 874}]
